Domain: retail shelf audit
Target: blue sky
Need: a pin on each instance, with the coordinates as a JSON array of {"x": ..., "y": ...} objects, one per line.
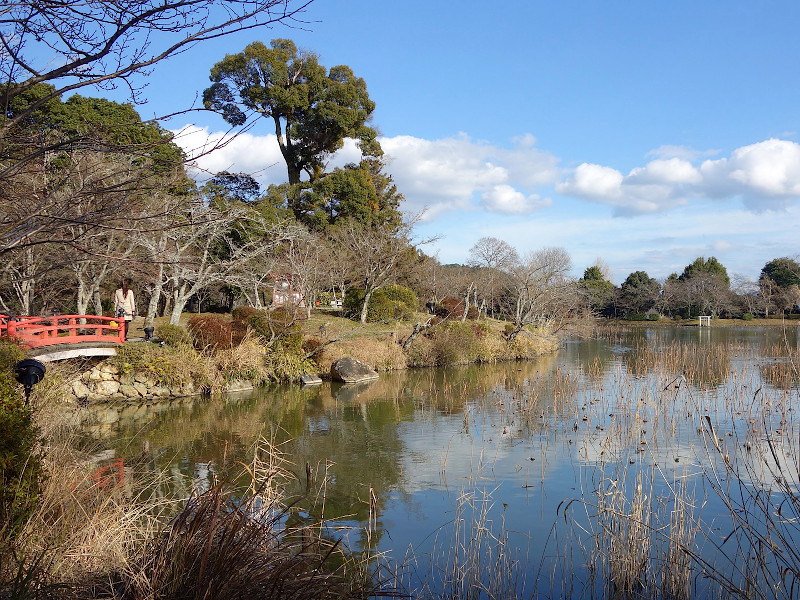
[{"x": 645, "y": 134}]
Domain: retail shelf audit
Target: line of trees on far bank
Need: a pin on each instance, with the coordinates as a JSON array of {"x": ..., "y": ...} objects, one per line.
[{"x": 703, "y": 288}]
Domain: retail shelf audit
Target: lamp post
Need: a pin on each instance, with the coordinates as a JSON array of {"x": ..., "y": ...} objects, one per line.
[{"x": 29, "y": 372}]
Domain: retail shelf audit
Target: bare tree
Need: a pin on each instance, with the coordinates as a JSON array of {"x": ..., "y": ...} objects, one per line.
[
  {"x": 768, "y": 293},
  {"x": 496, "y": 256},
  {"x": 252, "y": 274},
  {"x": 305, "y": 258},
  {"x": 202, "y": 247},
  {"x": 50, "y": 48},
  {"x": 541, "y": 290},
  {"x": 372, "y": 253},
  {"x": 109, "y": 43},
  {"x": 746, "y": 291}
]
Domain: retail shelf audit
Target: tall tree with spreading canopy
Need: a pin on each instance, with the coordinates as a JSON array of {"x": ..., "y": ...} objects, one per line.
[
  {"x": 312, "y": 109},
  {"x": 598, "y": 289},
  {"x": 703, "y": 266},
  {"x": 706, "y": 288}
]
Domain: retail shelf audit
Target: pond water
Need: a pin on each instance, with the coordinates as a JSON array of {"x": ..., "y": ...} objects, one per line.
[{"x": 535, "y": 472}]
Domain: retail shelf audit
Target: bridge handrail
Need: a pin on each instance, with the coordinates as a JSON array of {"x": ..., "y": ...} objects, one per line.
[{"x": 35, "y": 332}]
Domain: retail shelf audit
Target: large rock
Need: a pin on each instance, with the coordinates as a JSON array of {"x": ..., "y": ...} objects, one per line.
[
  {"x": 107, "y": 388},
  {"x": 80, "y": 390},
  {"x": 350, "y": 370}
]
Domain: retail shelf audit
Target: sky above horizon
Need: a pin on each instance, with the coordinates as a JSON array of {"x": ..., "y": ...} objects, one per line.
[{"x": 642, "y": 134}]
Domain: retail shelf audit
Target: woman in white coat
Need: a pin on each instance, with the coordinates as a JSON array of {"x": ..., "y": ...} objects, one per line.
[{"x": 125, "y": 304}]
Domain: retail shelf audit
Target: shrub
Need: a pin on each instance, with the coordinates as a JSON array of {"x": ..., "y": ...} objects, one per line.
[
  {"x": 172, "y": 335},
  {"x": 653, "y": 317},
  {"x": 352, "y": 303},
  {"x": 324, "y": 298},
  {"x": 636, "y": 317},
  {"x": 288, "y": 364},
  {"x": 277, "y": 324},
  {"x": 454, "y": 343},
  {"x": 212, "y": 332},
  {"x": 10, "y": 355},
  {"x": 390, "y": 303},
  {"x": 242, "y": 313},
  {"x": 454, "y": 308},
  {"x": 747, "y": 316},
  {"x": 401, "y": 294},
  {"x": 21, "y": 472},
  {"x": 382, "y": 309}
]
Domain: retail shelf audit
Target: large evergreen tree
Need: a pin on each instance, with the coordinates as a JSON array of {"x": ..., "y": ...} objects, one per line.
[
  {"x": 703, "y": 266},
  {"x": 785, "y": 272},
  {"x": 312, "y": 109},
  {"x": 598, "y": 290},
  {"x": 361, "y": 192},
  {"x": 638, "y": 293}
]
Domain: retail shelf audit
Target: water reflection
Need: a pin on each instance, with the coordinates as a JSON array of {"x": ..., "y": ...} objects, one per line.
[{"x": 676, "y": 402}]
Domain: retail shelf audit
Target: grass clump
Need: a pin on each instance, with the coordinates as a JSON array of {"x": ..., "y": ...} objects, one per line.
[
  {"x": 169, "y": 365},
  {"x": 172, "y": 335},
  {"x": 382, "y": 354},
  {"x": 221, "y": 547}
]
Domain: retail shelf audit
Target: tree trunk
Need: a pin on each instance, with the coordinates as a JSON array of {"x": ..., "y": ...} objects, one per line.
[
  {"x": 155, "y": 297},
  {"x": 364, "y": 308},
  {"x": 466, "y": 302},
  {"x": 179, "y": 300},
  {"x": 98, "y": 302},
  {"x": 82, "y": 298}
]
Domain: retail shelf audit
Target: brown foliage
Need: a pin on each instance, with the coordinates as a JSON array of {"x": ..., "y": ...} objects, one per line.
[{"x": 213, "y": 332}]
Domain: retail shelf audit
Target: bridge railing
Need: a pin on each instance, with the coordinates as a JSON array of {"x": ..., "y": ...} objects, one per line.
[{"x": 36, "y": 332}]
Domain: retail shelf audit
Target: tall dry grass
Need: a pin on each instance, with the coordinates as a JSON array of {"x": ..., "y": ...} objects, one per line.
[{"x": 108, "y": 531}]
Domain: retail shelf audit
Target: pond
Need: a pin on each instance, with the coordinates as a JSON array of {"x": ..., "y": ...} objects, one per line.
[{"x": 631, "y": 460}]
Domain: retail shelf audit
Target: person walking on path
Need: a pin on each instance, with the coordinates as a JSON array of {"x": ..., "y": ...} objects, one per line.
[{"x": 125, "y": 304}]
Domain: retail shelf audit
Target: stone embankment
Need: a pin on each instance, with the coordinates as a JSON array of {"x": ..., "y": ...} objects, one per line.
[
  {"x": 107, "y": 396},
  {"x": 104, "y": 382}
]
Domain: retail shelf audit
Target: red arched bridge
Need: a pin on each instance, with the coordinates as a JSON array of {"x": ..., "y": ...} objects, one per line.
[{"x": 64, "y": 336}]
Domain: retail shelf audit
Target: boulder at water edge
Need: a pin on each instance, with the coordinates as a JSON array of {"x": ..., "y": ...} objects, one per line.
[{"x": 350, "y": 370}]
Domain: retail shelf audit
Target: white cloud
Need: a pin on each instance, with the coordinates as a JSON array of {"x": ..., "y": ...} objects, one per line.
[
  {"x": 765, "y": 176},
  {"x": 593, "y": 181},
  {"x": 505, "y": 199},
  {"x": 435, "y": 176},
  {"x": 213, "y": 152},
  {"x": 456, "y": 173},
  {"x": 672, "y": 170}
]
